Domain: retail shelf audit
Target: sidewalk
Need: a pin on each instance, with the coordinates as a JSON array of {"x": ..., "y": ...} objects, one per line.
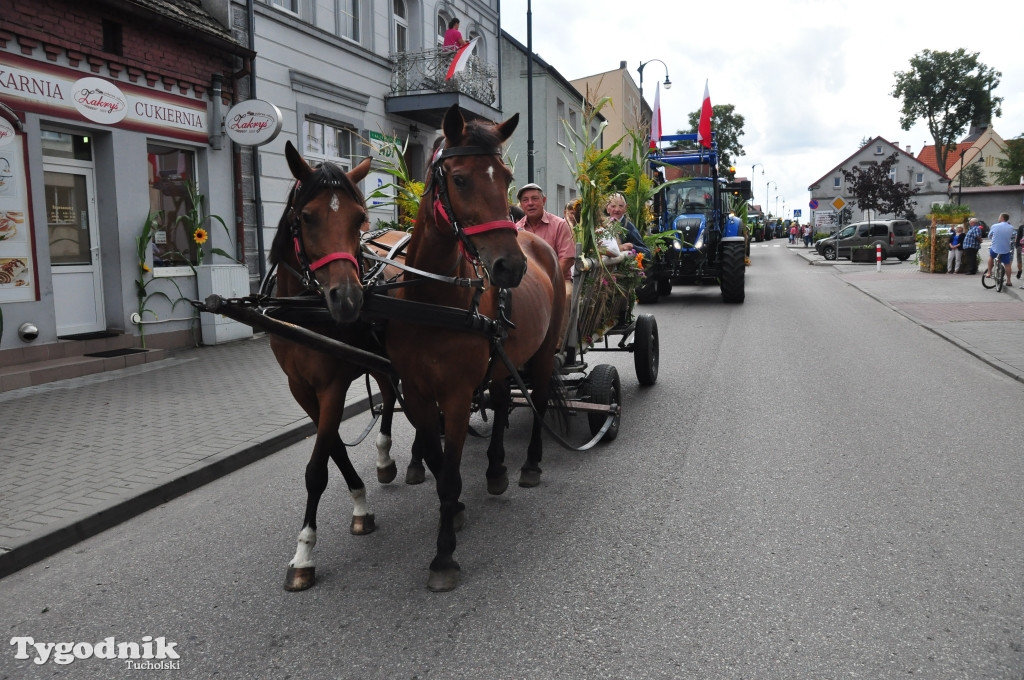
[
  {"x": 80, "y": 456},
  {"x": 982, "y": 322}
]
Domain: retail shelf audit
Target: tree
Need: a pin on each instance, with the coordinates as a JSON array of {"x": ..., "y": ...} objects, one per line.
[
  {"x": 973, "y": 175},
  {"x": 1011, "y": 168},
  {"x": 873, "y": 189},
  {"x": 727, "y": 126},
  {"x": 949, "y": 90}
]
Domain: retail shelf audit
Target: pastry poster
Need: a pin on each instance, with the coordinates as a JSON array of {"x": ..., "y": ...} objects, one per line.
[{"x": 17, "y": 275}]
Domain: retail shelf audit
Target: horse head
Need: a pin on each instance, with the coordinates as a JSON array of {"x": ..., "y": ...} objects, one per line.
[
  {"x": 469, "y": 198},
  {"x": 320, "y": 232}
]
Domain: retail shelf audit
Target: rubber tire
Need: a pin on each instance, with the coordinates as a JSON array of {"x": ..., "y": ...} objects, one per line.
[
  {"x": 664, "y": 287},
  {"x": 604, "y": 388},
  {"x": 645, "y": 349},
  {"x": 903, "y": 258},
  {"x": 988, "y": 278},
  {"x": 647, "y": 294},
  {"x": 730, "y": 280},
  {"x": 829, "y": 253}
]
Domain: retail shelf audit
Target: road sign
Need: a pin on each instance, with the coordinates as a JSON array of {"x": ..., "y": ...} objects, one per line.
[
  {"x": 838, "y": 203},
  {"x": 797, "y": 212},
  {"x": 813, "y": 205}
]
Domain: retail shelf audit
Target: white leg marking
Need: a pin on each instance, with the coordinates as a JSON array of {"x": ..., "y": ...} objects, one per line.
[
  {"x": 490, "y": 172},
  {"x": 384, "y": 451},
  {"x": 304, "y": 552},
  {"x": 359, "y": 507}
]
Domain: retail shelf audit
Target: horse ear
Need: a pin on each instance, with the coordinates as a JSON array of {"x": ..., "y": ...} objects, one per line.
[
  {"x": 454, "y": 125},
  {"x": 300, "y": 169},
  {"x": 359, "y": 173},
  {"x": 506, "y": 129}
]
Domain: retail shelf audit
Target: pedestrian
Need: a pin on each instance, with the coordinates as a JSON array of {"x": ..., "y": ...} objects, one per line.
[
  {"x": 1018, "y": 241},
  {"x": 807, "y": 236},
  {"x": 971, "y": 245},
  {"x": 956, "y": 253},
  {"x": 1001, "y": 246},
  {"x": 792, "y": 234}
]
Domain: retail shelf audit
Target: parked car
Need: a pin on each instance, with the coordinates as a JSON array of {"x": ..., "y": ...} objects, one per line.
[{"x": 895, "y": 236}]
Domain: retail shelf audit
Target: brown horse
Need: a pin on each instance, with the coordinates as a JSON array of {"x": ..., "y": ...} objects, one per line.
[
  {"x": 317, "y": 249},
  {"x": 462, "y": 230}
]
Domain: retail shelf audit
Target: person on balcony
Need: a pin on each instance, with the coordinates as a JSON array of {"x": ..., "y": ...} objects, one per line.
[{"x": 453, "y": 39}]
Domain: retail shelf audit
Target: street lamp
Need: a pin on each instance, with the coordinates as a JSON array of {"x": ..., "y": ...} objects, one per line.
[
  {"x": 640, "y": 70},
  {"x": 960, "y": 175},
  {"x": 752, "y": 180},
  {"x": 766, "y": 194}
]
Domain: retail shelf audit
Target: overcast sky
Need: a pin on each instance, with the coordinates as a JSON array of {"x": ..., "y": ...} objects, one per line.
[{"x": 811, "y": 78}]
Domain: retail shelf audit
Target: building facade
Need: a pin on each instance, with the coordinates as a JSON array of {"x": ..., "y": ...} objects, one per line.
[
  {"x": 102, "y": 128},
  {"x": 626, "y": 111}
]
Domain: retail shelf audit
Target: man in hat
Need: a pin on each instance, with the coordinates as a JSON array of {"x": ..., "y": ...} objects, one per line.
[{"x": 551, "y": 228}]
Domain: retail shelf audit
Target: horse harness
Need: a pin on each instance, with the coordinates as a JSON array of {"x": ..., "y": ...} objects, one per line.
[{"x": 306, "y": 275}]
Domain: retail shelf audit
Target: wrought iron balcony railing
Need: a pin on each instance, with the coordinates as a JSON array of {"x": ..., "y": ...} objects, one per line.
[{"x": 425, "y": 71}]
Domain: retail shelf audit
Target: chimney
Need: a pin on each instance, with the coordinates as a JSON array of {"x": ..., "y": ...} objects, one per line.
[
  {"x": 908, "y": 150},
  {"x": 622, "y": 65}
]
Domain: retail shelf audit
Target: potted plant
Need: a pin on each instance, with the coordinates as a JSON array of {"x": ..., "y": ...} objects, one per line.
[{"x": 932, "y": 248}]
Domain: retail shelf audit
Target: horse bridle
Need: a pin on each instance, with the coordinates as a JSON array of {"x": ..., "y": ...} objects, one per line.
[
  {"x": 308, "y": 269},
  {"x": 442, "y": 205}
]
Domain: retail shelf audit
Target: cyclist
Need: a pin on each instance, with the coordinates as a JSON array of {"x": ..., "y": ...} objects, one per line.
[{"x": 1001, "y": 247}]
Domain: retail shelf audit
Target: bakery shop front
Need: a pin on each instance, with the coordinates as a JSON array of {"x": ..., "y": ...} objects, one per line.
[{"x": 116, "y": 188}]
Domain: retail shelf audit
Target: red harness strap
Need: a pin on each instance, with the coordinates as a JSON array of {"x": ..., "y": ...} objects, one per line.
[{"x": 326, "y": 259}]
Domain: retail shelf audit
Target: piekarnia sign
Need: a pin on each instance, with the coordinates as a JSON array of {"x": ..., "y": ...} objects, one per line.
[{"x": 51, "y": 89}]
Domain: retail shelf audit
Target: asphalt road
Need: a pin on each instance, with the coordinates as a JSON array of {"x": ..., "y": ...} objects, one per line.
[{"x": 815, "y": 488}]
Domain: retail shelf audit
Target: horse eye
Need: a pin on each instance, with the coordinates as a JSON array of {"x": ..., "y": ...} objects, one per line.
[{"x": 460, "y": 181}]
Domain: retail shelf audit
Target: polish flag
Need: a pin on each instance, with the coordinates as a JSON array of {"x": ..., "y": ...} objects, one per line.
[
  {"x": 704, "y": 128},
  {"x": 656, "y": 130},
  {"x": 461, "y": 59}
]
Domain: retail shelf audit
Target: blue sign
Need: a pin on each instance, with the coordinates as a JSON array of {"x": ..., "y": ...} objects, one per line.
[
  {"x": 813, "y": 205},
  {"x": 797, "y": 212}
]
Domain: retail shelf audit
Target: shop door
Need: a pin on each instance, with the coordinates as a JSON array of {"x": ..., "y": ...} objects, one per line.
[{"x": 74, "y": 249}]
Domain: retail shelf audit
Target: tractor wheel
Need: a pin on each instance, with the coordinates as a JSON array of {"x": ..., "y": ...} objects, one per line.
[
  {"x": 603, "y": 387},
  {"x": 730, "y": 280},
  {"x": 645, "y": 349},
  {"x": 647, "y": 294},
  {"x": 664, "y": 286}
]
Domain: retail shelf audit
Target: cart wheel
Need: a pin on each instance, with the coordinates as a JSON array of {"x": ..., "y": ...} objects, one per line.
[
  {"x": 603, "y": 386},
  {"x": 647, "y": 294},
  {"x": 645, "y": 349},
  {"x": 664, "y": 287}
]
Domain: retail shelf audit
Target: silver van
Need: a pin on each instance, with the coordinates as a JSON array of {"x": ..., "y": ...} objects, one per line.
[{"x": 895, "y": 236}]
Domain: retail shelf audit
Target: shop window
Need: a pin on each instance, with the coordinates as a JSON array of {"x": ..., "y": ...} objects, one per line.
[
  {"x": 171, "y": 187},
  {"x": 66, "y": 145}
]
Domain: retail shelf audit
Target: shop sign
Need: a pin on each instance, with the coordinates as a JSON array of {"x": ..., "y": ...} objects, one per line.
[
  {"x": 253, "y": 122},
  {"x": 17, "y": 264},
  {"x": 7, "y": 133},
  {"x": 57, "y": 90},
  {"x": 384, "y": 147}
]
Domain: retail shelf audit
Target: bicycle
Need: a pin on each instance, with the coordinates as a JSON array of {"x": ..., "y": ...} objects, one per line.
[{"x": 998, "y": 278}]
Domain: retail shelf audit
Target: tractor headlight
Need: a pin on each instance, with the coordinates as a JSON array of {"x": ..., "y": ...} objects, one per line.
[
  {"x": 677, "y": 245},
  {"x": 699, "y": 243}
]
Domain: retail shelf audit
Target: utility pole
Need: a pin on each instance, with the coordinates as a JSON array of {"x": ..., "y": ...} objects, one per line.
[{"x": 529, "y": 91}]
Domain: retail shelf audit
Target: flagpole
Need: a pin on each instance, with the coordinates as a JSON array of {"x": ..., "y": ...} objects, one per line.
[{"x": 529, "y": 91}]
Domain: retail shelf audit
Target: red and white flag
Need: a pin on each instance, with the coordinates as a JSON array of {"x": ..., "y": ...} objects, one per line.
[
  {"x": 461, "y": 59},
  {"x": 656, "y": 130},
  {"x": 704, "y": 128}
]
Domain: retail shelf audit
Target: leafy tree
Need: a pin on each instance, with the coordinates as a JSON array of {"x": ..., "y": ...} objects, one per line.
[
  {"x": 973, "y": 175},
  {"x": 1011, "y": 168},
  {"x": 949, "y": 90},
  {"x": 727, "y": 126},
  {"x": 872, "y": 188}
]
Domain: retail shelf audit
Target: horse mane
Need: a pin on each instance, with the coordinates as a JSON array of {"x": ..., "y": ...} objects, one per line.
[{"x": 326, "y": 174}]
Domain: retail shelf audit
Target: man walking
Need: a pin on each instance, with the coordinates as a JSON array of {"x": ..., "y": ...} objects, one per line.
[
  {"x": 972, "y": 242},
  {"x": 1001, "y": 248}
]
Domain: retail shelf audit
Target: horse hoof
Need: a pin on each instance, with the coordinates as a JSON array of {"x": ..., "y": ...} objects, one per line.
[
  {"x": 529, "y": 478},
  {"x": 443, "y": 581},
  {"x": 299, "y": 578},
  {"x": 386, "y": 475},
  {"x": 498, "y": 485},
  {"x": 415, "y": 475},
  {"x": 362, "y": 525}
]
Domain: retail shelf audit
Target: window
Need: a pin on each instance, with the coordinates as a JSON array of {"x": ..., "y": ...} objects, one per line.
[
  {"x": 878, "y": 149},
  {"x": 572, "y": 121},
  {"x": 290, "y": 5},
  {"x": 326, "y": 142},
  {"x": 559, "y": 118},
  {"x": 837, "y": 182},
  {"x": 348, "y": 19},
  {"x": 892, "y": 174},
  {"x": 919, "y": 179},
  {"x": 171, "y": 172},
  {"x": 401, "y": 23},
  {"x": 879, "y": 230},
  {"x": 442, "y": 27},
  {"x": 560, "y": 196},
  {"x": 113, "y": 41}
]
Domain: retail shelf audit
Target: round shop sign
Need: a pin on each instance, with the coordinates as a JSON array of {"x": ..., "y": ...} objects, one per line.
[
  {"x": 253, "y": 122},
  {"x": 99, "y": 100},
  {"x": 7, "y": 133}
]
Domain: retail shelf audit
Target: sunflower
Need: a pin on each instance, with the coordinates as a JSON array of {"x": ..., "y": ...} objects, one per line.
[{"x": 200, "y": 236}]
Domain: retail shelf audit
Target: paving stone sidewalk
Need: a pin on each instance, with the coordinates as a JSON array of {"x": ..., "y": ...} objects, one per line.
[{"x": 81, "y": 455}]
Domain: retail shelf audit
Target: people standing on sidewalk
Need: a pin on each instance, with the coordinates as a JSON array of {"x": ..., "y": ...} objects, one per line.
[
  {"x": 971, "y": 245},
  {"x": 955, "y": 251},
  {"x": 807, "y": 236},
  {"x": 1001, "y": 247},
  {"x": 792, "y": 234},
  {"x": 1018, "y": 241}
]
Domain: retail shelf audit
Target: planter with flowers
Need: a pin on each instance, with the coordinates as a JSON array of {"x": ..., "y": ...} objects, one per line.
[{"x": 932, "y": 247}]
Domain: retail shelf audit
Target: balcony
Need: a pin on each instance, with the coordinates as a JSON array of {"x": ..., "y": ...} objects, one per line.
[{"x": 420, "y": 92}]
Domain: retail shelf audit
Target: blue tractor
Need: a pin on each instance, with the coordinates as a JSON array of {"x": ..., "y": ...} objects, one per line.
[{"x": 704, "y": 243}]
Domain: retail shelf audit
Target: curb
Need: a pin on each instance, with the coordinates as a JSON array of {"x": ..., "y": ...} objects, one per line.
[{"x": 53, "y": 538}]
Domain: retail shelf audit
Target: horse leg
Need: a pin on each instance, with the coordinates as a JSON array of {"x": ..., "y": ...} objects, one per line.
[
  {"x": 387, "y": 470},
  {"x": 444, "y": 570},
  {"x": 497, "y": 473},
  {"x": 302, "y": 568},
  {"x": 541, "y": 375}
]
